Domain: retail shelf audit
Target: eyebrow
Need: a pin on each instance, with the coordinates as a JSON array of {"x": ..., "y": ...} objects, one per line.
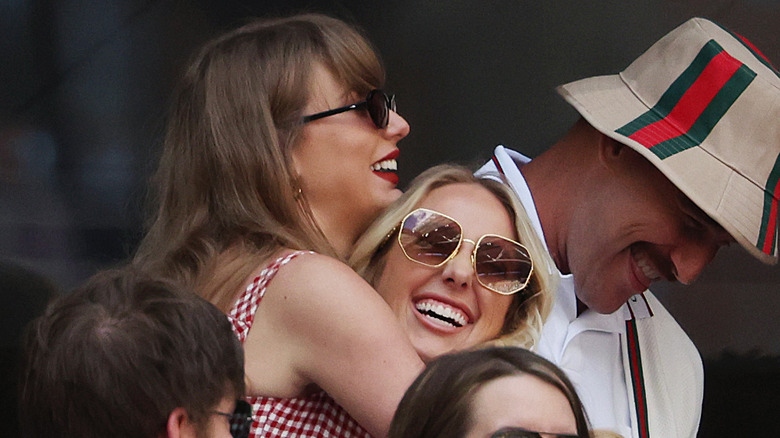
[{"x": 690, "y": 208}]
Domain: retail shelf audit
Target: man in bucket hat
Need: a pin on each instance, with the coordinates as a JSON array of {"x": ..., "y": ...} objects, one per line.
[{"x": 672, "y": 158}]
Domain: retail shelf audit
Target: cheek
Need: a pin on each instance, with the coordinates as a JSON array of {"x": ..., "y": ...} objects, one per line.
[
  {"x": 382, "y": 284},
  {"x": 400, "y": 278},
  {"x": 495, "y": 308}
]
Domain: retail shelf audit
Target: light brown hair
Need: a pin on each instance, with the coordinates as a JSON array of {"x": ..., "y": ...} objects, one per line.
[{"x": 225, "y": 192}]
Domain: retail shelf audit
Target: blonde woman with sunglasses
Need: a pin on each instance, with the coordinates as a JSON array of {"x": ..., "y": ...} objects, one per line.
[
  {"x": 280, "y": 150},
  {"x": 459, "y": 264}
]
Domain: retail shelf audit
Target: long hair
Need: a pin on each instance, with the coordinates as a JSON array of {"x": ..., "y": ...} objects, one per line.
[
  {"x": 116, "y": 356},
  {"x": 439, "y": 402},
  {"x": 224, "y": 194},
  {"x": 529, "y": 307}
]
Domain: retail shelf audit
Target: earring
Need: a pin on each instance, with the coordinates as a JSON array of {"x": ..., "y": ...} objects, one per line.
[{"x": 298, "y": 194}]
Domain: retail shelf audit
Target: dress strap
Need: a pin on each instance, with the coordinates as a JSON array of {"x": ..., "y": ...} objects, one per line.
[{"x": 242, "y": 315}]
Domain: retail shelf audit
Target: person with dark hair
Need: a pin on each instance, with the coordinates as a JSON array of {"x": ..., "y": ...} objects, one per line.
[
  {"x": 673, "y": 158},
  {"x": 129, "y": 355},
  {"x": 280, "y": 150},
  {"x": 496, "y": 392}
]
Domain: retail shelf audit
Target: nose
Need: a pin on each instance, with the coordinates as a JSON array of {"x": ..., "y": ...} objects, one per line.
[
  {"x": 458, "y": 272},
  {"x": 690, "y": 258},
  {"x": 397, "y": 126}
]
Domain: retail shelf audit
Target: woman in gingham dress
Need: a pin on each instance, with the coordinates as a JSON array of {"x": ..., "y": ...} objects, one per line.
[{"x": 257, "y": 174}]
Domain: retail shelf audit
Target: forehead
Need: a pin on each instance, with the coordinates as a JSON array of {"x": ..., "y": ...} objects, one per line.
[
  {"x": 474, "y": 207},
  {"x": 523, "y": 401},
  {"x": 325, "y": 88}
]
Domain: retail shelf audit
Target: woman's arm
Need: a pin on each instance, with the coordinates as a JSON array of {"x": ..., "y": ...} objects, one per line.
[{"x": 321, "y": 323}]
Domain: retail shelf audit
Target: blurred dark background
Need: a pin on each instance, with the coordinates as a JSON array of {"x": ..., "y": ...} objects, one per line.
[{"x": 84, "y": 88}]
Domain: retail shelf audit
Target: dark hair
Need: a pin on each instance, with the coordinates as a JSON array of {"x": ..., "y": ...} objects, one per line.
[
  {"x": 438, "y": 403},
  {"x": 115, "y": 357}
]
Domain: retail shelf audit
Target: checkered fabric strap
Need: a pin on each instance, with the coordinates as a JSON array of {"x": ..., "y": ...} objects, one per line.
[
  {"x": 242, "y": 315},
  {"x": 314, "y": 416}
]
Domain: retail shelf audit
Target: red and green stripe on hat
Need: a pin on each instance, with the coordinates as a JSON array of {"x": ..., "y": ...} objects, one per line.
[{"x": 692, "y": 106}]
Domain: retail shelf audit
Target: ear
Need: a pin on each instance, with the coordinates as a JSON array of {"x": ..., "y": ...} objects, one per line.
[
  {"x": 613, "y": 155},
  {"x": 296, "y": 164},
  {"x": 179, "y": 425},
  {"x": 609, "y": 149}
]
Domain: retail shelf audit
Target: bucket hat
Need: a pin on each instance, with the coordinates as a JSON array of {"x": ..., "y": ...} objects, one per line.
[{"x": 703, "y": 105}]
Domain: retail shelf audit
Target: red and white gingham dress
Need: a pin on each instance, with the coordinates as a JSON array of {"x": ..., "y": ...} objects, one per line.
[{"x": 313, "y": 416}]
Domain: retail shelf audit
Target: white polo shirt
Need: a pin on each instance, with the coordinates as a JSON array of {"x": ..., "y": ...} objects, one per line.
[{"x": 591, "y": 348}]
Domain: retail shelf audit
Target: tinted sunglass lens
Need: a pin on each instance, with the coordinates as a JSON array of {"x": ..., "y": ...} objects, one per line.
[
  {"x": 502, "y": 265},
  {"x": 428, "y": 237},
  {"x": 378, "y": 103}
]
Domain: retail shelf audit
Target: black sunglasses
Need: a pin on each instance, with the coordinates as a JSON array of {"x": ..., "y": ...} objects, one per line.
[
  {"x": 377, "y": 103},
  {"x": 516, "y": 432},
  {"x": 240, "y": 420}
]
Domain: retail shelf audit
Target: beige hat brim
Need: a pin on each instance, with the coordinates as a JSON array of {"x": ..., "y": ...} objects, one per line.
[{"x": 608, "y": 104}]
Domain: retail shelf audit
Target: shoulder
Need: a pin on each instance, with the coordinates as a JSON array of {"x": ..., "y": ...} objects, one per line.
[
  {"x": 316, "y": 271},
  {"x": 312, "y": 282}
]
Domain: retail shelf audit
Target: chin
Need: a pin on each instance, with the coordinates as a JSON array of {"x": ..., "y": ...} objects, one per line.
[
  {"x": 425, "y": 357},
  {"x": 595, "y": 298},
  {"x": 606, "y": 308},
  {"x": 393, "y": 194},
  {"x": 384, "y": 199},
  {"x": 428, "y": 354}
]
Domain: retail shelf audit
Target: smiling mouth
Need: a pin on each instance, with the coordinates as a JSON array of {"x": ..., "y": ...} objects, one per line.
[
  {"x": 644, "y": 262},
  {"x": 441, "y": 312},
  {"x": 385, "y": 166}
]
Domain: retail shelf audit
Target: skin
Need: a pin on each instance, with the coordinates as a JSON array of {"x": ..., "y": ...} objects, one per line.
[
  {"x": 180, "y": 425},
  {"x": 522, "y": 401},
  {"x": 616, "y": 222},
  {"x": 219, "y": 425},
  {"x": 334, "y": 157},
  {"x": 404, "y": 283}
]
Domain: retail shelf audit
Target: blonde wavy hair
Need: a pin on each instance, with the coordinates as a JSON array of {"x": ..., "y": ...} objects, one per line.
[
  {"x": 225, "y": 195},
  {"x": 529, "y": 308}
]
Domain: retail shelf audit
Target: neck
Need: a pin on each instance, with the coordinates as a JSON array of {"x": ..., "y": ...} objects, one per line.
[
  {"x": 549, "y": 197},
  {"x": 581, "y": 307},
  {"x": 341, "y": 232},
  {"x": 558, "y": 181}
]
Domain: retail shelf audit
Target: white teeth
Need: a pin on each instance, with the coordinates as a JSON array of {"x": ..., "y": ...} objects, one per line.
[
  {"x": 644, "y": 263},
  {"x": 442, "y": 311},
  {"x": 385, "y": 165}
]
